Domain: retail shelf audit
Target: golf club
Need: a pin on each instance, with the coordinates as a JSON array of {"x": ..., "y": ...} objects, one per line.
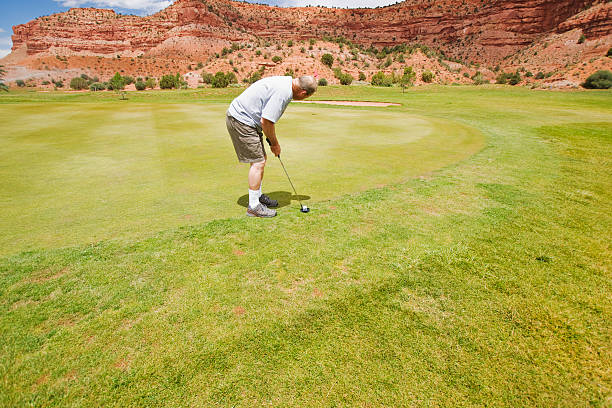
[{"x": 303, "y": 208}]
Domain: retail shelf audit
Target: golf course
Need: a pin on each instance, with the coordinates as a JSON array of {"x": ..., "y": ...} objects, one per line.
[{"x": 457, "y": 253}]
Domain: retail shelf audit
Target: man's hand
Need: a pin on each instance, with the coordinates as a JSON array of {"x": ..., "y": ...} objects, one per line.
[
  {"x": 270, "y": 132},
  {"x": 276, "y": 149}
]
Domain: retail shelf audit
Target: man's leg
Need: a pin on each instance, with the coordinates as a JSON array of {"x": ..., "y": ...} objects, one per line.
[{"x": 256, "y": 173}]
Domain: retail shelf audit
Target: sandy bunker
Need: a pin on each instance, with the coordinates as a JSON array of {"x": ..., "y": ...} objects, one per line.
[{"x": 353, "y": 103}]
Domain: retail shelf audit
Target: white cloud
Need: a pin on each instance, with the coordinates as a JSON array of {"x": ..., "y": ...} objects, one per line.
[
  {"x": 156, "y": 5},
  {"x": 145, "y": 5},
  {"x": 6, "y": 42},
  {"x": 2, "y": 30},
  {"x": 4, "y": 53}
]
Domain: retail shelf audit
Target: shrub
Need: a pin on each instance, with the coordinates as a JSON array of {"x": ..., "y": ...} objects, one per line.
[
  {"x": 20, "y": 83},
  {"x": 327, "y": 59},
  {"x": 58, "y": 84},
  {"x": 539, "y": 75},
  {"x": 346, "y": 79},
  {"x": 380, "y": 79},
  {"x": 151, "y": 83},
  {"x": 255, "y": 76},
  {"x": 609, "y": 53},
  {"x": 507, "y": 78},
  {"x": 290, "y": 43},
  {"x": 322, "y": 82},
  {"x": 168, "y": 82},
  {"x": 128, "y": 80},
  {"x": 276, "y": 59},
  {"x": 140, "y": 86},
  {"x": 427, "y": 76},
  {"x": 599, "y": 80},
  {"x": 207, "y": 77},
  {"x": 116, "y": 83},
  {"x": 362, "y": 76},
  {"x": 97, "y": 86},
  {"x": 231, "y": 78},
  {"x": 582, "y": 39},
  {"x": 78, "y": 83},
  {"x": 479, "y": 79},
  {"x": 529, "y": 74},
  {"x": 514, "y": 79},
  {"x": 220, "y": 80}
]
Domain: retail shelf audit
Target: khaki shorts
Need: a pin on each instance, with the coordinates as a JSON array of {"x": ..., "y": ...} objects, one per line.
[{"x": 247, "y": 140}]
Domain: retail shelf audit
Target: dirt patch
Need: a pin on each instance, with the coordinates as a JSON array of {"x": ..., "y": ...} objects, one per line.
[
  {"x": 353, "y": 103},
  {"x": 45, "y": 275}
]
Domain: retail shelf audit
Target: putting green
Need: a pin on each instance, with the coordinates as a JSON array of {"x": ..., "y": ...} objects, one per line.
[{"x": 74, "y": 173}]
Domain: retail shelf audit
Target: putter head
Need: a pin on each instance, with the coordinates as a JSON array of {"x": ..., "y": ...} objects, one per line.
[{"x": 305, "y": 209}]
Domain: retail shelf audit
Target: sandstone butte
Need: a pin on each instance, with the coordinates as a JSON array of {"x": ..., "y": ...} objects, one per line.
[{"x": 540, "y": 35}]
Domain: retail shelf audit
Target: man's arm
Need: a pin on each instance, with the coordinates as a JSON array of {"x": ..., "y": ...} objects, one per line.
[{"x": 270, "y": 132}]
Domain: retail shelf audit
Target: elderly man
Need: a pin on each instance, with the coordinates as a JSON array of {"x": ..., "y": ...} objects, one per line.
[{"x": 258, "y": 108}]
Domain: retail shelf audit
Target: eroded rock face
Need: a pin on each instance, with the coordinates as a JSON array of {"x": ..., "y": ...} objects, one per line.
[{"x": 477, "y": 30}]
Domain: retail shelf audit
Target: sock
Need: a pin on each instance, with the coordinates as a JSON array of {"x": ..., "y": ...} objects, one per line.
[
  {"x": 260, "y": 187},
  {"x": 254, "y": 198}
]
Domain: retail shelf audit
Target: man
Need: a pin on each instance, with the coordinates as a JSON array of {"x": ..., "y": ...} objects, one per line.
[{"x": 258, "y": 108}]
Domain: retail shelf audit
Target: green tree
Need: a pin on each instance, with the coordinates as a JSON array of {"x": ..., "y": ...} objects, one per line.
[
  {"x": 327, "y": 59},
  {"x": 20, "y": 83},
  {"x": 362, "y": 76},
  {"x": 408, "y": 78},
  {"x": 140, "y": 85},
  {"x": 322, "y": 82},
  {"x": 116, "y": 83},
  {"x": 599, "y": 80},
  {"x": 3, "y": 86},
  {"x": 79, "y": 83}
]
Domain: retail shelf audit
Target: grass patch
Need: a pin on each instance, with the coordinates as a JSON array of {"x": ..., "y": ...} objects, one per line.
[{"x": 482, "y": 281}]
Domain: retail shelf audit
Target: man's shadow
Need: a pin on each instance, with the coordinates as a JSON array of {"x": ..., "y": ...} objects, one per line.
[{"x": 283, "y": 197}]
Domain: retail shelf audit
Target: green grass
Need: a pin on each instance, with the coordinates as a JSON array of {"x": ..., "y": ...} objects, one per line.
[
  {"x": 480, "y": 279},
  {"x": 111, "y": 170}
]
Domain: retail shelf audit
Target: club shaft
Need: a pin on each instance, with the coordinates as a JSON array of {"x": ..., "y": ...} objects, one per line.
[{"x": 290, "y": 182}]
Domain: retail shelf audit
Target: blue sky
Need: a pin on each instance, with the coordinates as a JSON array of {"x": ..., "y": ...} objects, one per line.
[{"x": 19, "y": 12}]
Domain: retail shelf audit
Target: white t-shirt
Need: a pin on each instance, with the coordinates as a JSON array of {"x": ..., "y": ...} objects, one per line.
[{"x": 267, "y": 98}]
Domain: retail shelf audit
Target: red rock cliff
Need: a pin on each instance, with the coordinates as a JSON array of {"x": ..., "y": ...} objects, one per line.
[{"x": 480, "y": 30}]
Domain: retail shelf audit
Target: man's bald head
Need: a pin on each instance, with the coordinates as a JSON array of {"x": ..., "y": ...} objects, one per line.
[{"x": 308, "y": 83}]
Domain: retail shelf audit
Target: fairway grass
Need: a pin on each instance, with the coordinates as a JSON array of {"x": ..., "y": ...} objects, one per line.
[
  {"x": 79, "y": 173},
  {"x": 481, "y": 278}
]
